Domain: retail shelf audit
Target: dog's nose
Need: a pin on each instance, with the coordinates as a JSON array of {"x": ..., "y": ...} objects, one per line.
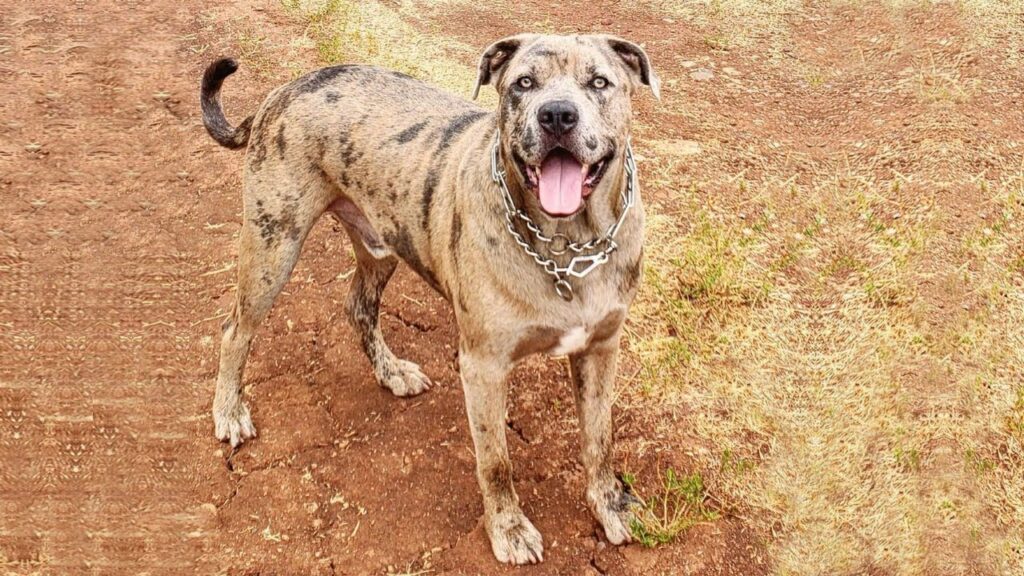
[{"x": 558, "y": 117}]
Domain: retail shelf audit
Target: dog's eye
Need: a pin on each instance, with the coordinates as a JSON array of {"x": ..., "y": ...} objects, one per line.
[
  {"x": 599, "y": 82},
  {"x": 525, "y": 82}
]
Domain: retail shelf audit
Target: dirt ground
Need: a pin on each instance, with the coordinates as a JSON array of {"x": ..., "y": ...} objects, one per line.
[{"x": 117, "y": 247}]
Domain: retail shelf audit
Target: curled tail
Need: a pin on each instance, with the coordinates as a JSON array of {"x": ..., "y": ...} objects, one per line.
[{"x": 213, "y": 115}]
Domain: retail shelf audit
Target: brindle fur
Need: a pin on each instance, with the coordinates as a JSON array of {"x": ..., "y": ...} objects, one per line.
[{"x": 406, "y": 168}]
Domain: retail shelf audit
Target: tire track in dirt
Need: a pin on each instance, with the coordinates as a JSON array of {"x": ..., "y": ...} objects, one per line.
[{"x": 99, "y": 443}]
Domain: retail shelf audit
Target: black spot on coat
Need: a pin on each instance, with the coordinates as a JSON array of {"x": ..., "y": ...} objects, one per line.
[
  {"x": 401, "y": 242},
  {"x": 315, "y": 81},
  {"x": 280, "y": 141},
  {"x": 410, "y": 133},
  {"x": 456, "y": 236},
  {"x": 454, "y": 128}
]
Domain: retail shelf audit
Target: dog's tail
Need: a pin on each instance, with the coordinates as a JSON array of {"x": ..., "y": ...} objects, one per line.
[{"x": 213, "y": 115}]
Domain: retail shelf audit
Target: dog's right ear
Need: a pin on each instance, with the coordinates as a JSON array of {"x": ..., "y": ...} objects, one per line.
[{"x": 496, "y": 57}]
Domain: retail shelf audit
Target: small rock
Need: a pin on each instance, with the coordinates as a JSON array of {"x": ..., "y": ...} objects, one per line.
[
  {"x": 702, "y": 74},
  {"x": 679, "y": 147},
  {"x": 731, "y": 71}
]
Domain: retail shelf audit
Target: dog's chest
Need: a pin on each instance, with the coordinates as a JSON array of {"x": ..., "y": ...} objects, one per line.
[
  {"x": 572, "y": 341},
  {"x": 570, "y": 334}
]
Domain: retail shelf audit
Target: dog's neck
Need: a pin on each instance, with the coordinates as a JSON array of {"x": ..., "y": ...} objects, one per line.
[{"x": 600, "y": 209}]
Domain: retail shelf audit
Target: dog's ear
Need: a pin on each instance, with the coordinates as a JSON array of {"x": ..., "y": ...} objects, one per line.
[
  {"x": 637, "y": 62},
  {"x": 496, "y": 57}
]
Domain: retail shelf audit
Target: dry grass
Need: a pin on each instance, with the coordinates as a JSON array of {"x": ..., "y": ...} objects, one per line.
[
  {"x": 730, "y": 24},
  {"x": 864, "y": 418},
  {"x": 372, "y": 33},
  {"x": 991, "y": 349},
  {"x": 994, "y": 23},
  {"x": 785, "y": 358}
]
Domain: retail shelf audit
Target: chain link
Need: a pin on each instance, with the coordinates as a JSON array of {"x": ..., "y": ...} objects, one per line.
[{"x": 606, "y": 242}]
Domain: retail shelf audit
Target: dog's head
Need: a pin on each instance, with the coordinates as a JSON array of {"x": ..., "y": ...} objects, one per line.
[{"x": 564, "y": 110}]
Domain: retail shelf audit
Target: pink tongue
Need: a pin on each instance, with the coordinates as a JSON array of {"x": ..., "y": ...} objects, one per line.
[{"x": 561, "y": 184}]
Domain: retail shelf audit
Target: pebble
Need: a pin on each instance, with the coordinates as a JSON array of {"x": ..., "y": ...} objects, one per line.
[
  {"x": 702, "y": 74},
  {"x": 682, "y": 147}
]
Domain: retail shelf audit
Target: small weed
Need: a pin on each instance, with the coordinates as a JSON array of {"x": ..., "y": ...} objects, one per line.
[
  {"x": 678, "y": 506},
  {"x": 815, "y": 78},
  {"x": 1015, "y": 419},
  {"x": 270, "y": 535},
  {"x": 717, "y": 42},
  {"x": 842, "y": 265},
  {"x": 940, "y": 86},
  {"x": 907, "y": 459},
  {"x": 977, "y": 463},
  {"x": 735, "y": 464}
]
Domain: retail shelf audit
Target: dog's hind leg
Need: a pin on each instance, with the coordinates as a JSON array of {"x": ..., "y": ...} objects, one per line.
[
  {"x": 374, "y": 267},
  {"x": 273, "y": 231}
]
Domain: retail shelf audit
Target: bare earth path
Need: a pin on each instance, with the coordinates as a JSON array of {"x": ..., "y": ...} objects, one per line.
[{"x": 833, "y": 339}]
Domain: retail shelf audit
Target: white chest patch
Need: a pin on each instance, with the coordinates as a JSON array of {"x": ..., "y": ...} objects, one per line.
[{"x": 571, "y": 342}]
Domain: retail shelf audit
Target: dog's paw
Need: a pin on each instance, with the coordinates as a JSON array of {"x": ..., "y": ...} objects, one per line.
[
  {"x": 406, "y": 379},
  {"x": 233, "y": 424},
  {"x": 514, "y": 540},
  {"x": 613, "y": 508}
]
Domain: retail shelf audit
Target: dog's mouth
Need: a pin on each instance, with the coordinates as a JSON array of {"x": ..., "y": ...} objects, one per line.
[{"x": 562, "y": 182}]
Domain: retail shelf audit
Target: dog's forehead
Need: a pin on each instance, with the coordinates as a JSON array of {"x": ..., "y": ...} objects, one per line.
[{"x": 561, "y": 54}]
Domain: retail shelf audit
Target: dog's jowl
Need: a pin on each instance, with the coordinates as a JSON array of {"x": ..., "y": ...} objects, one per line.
[{"x": 526, "y": 218}]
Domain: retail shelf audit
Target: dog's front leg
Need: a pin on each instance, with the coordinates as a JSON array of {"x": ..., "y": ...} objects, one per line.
[
  {"x": 593, "y": 375},
  {"x": 513, "y": 537}
]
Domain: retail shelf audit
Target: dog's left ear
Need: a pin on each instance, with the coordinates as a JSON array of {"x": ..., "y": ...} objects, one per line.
[
  {"x": 496, "y": 57},
  {"x": 637, "y": 62}
]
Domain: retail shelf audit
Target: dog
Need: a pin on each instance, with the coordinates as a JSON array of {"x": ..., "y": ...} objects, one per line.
[{"x": 526, "y": 219}]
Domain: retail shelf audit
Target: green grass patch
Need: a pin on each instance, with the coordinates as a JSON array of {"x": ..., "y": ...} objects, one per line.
[{"x": 678, "y": 504}]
